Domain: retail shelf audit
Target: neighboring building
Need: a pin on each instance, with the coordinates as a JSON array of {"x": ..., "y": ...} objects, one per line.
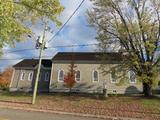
[
  {"x": 89, "y": 77},
  {"x": 24, "y": 75}
]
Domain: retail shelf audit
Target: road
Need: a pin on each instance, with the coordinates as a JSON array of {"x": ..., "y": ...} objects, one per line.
[{"x": 10, "y": 114}]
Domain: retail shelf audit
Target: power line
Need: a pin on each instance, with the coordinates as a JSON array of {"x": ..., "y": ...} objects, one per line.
[
  {"x": 20, "y": 50},
  {"x": 21, "y": 58},
  {"x": 67, "y": 21},
  {"x": 82, "y": 45},
  {"x": 58, "y": 30},
  {"x": 62, "y": 46}
]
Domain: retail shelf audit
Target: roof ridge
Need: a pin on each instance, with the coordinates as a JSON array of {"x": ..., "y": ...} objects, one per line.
[{"x": 86, "y": 55}]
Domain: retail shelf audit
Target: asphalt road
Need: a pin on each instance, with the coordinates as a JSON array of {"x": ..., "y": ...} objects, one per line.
[{"x": 10, "y": 114}]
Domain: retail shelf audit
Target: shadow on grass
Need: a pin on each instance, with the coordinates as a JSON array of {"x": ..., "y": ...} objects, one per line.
[
  {"x": 15, "y": 94},
  {"x": 15, "y": 97},
  {"x": 142, "y": 97},
  {"x": 95, "y": 96},
  {"x": 119, "y": 98},
  {"x": 73, "y": 96}
]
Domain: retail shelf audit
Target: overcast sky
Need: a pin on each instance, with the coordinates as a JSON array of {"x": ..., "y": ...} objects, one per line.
[{"x": 76, "y": 32}]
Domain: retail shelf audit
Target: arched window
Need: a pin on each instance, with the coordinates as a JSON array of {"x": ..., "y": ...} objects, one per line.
[
  {"x": 132, "y": 76},
  {"x": 30, "y": 76},
  {"x": 95, "y": 76},
  {"x": 61, "y": 75},
  {"x": 46, "y": 76},
  {"x": 113, "y": 77},
  {"x": 22, "y": 75},
  {"x": 78, "y": 76}
]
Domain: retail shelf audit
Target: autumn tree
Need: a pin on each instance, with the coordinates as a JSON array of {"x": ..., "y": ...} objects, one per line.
[
  {"x": 5, "y": 78},
  {"x": 17, "y": 15},
  {"x": 7, "y": 74},
  {"x": 135, "y": 25},
  {"x": 69, "y": 79}
]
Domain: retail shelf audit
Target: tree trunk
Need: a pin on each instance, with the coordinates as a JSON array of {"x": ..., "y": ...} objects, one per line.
[{"x": 147, "y": 89}]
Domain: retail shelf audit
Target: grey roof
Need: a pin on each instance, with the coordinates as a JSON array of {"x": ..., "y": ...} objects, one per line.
[
  {"x": 33, "y": 62},
  {"x": 87, "y": 56}
]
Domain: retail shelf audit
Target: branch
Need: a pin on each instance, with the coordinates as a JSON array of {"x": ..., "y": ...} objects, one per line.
[
  {"x": 157, "y": 40},
  {"x": 124, "y": 22},
  {"x": 143, "y": 6},
  {"x": 141, "y": 28}
]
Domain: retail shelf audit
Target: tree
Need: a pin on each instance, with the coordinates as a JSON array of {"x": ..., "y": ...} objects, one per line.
[
  {"x": 17, "y": 15},
  {"x": 7, "y": 74},
  {"x": 5, "y": 78},
  {"x": 4, "y": 84},
  {"x": 69, "y": 79},
  {"x": 135, "y": 25}
]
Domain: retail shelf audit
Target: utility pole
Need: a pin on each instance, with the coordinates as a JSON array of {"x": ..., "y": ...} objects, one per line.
[{"x": 41, "y": 46}]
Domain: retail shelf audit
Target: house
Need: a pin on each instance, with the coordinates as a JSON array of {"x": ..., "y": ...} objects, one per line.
[
  {"x": 89, "y": 77},
  {"x": 24, "y": 75}
]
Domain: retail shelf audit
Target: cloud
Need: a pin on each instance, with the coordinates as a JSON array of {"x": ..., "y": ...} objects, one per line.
[
  {"x": 7, "y": 63},
  {"x": 77, "y": 31}
]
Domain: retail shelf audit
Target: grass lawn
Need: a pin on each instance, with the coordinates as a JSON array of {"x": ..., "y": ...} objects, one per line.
[
  {"x": 15, "y": 97},
  {"x": 152, "y": 103},
  {"x": 122, "y": 106}
]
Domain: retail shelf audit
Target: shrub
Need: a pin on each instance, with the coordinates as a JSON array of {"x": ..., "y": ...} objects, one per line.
[
  {"x": 5, "y": 78},
  {"x": 4, "y": 84}
]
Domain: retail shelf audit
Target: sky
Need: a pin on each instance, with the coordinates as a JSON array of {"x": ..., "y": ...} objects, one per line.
[{"x": 76, "y": 32}]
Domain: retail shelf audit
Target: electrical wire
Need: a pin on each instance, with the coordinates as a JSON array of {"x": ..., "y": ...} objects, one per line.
[
  {"x": 66, "y": 21},
  {"x": 21, "y": 58},
  {"x": 82, "y": 45},
  {"x": 63, "y": 46},
  {"x": 57, "y": 31}
]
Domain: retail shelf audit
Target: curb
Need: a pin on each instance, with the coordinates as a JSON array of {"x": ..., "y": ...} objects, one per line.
[{"x": 67, "y": 113}]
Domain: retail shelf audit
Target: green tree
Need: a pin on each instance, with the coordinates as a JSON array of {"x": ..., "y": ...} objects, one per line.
[
  {"x": 135, "y": 25},
  {"x": 16, "y": 14}
]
